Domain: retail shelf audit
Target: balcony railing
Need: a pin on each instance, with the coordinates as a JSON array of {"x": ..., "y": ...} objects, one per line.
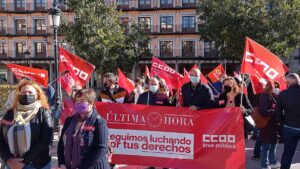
[
  {"x": 30, "y": 7},
  {"x": 26, "y": 31},
  {"x": 33, "y": 54},
  {"x": 155, "y": 4},
  {"x": 182, "y": 53},
  {"x": 169, "y": 29}
]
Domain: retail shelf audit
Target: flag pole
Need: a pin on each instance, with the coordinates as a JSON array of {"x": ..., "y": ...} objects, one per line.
[
  {"x": 242, "y": 88},
  {"x": 213, "y": 87}
]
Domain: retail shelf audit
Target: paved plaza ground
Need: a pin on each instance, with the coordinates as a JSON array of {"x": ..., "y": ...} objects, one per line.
[{"x": 250, "y": 164}]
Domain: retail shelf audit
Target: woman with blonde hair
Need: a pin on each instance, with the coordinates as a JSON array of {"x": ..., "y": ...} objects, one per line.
[
  {"x": 232, "y": 96},
  {"x": 26, "y": 130}
]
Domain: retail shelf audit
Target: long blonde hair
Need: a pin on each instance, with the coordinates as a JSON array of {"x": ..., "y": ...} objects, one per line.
[
  {"x": 40, "y": 93},
  {"x": 236, "y": 88}
]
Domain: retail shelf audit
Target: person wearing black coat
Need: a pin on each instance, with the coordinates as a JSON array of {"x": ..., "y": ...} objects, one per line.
[
  {"x": 269, "y": 135},
  {"x": 288, "y": 107},
  {"x": 84, "y": 137},
  {"x": 197, "y": 95},
  {"x": 153, "y": 96},
  {"x": 231, "y": 97},
  {"x": 26, "y": 129}
]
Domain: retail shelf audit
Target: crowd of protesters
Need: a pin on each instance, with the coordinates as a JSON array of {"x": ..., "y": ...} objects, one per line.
[{"x": 26, "y": 129}]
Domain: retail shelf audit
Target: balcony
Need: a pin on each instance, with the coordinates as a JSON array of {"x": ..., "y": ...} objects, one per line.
[
  {"x": 30, "y": 7},
  {"x": 33, "y": 55},
  {"x": 134, "y": 5},
  {"x": 189, "y": 5},
  {"x": 174, "y": 29},
  {"x": 176, "y": 53},
  {"x": 25, "y": 31}
]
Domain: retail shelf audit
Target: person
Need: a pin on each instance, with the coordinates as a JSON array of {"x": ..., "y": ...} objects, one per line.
[
  {"x": 11, "y": 97},
  {"x": 197, "y": 95},
  {"x": 138, "y": 89},
  {"x": 112, "y": 93},
  {"x": 84, "y": 138},
  {"x": 233, "y": 97},
  {"x": 163, "y": 87},
  {"x": 153, "y": 96},
  {"x": 288, "y": 108},
  {"x": 68, "y": 109},
  {"x": 269, "y": 135},
  {"x": 26, "y": 129}
]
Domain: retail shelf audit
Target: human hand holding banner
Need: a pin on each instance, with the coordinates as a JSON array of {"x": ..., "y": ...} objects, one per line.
[{"x": 175, "y": 137}]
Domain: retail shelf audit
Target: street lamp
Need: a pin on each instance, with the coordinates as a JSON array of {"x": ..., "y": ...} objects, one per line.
[{"x": 54, "y": 18}]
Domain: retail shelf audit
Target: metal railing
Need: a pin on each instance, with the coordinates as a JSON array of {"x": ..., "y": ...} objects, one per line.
[
  {"x": 30, "y": 7},
  {"x": 154, "y": 4},
  {"x": 166, "y": 29},
  {"x": 27, "y": 31},
  {"x": 21, "y": 55},
  {"x": 180, "y": 53}
]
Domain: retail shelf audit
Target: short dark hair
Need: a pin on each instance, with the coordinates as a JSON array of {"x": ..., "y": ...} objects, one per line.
[
  {"x": 110, "y": 76},
  {"x": 90, "y": 94}
]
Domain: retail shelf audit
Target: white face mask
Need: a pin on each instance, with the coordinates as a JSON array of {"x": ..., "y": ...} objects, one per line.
[
  {"x": 153, "y": 88},
  {"x": 276, "y": 91},
  {"x": 194, "y": 79}
]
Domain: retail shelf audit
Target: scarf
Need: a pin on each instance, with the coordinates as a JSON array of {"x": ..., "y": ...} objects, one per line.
[
  {"x": 24, "y": 113},
  {"x": 72, "y": 145},
  {"x": 18, "y": 135}
]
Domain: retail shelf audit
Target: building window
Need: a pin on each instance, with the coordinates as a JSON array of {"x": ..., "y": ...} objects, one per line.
[
  {"x": 20, "y": 49},
  {"x": 144, "y": 4},
  {"x": 2, "y": 5},
  {"x": 166, "y": 3},
  {"x": 188, "y": 24},
  {"x": 188, "y": 49},
  {"x": 3, "y": 49},
  {"x": 40, "y": 5},
  {"x": 40, "y": 49},
  {"x": 40, "y": 26},
  {"x": 166, "y": 49},
  {"x": 166, "y": 24},
  {"x": 3, "y": 25},
  {"x": 123, "y": 4},
  {"x": 124, "y": 23},
  {"x": 19, "y": 5},
  {"x": 144, "y": 23},
  {"x": 20, "y": 26},
  {"x": 188, "y": 3}
]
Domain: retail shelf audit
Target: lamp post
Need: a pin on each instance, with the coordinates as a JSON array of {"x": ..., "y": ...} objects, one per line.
[{"x": 54, "y": 18}]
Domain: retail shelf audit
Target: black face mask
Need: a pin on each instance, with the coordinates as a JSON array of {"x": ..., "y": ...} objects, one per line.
[
  {"x": 27, "y": 99},
  {"x": 227, "y": 89}
]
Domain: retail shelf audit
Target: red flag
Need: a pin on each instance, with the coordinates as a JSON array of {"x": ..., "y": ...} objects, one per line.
[
  {"x": 264, "y": 65},
  {"x": 124, "y": 82},
  {"x": 147, "y": 72},
  {"x": 74, "y": 70},
  {"x": 40, "y": 76},
  {"x": 164, "y": 71},
  {"x": 216, "y": 73},
  {"x": 185, "y": 72}
]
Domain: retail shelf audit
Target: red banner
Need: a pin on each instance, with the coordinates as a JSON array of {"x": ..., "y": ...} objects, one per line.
[
  {"x": 40, "y": 76},
  {"x": 175, "y": 137},
  {"x": 73, "y": 70},
  {"x": 216, "y": 74},
  {"x": 161, "y": 69},
  {"x": 264, "y": 65}
]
